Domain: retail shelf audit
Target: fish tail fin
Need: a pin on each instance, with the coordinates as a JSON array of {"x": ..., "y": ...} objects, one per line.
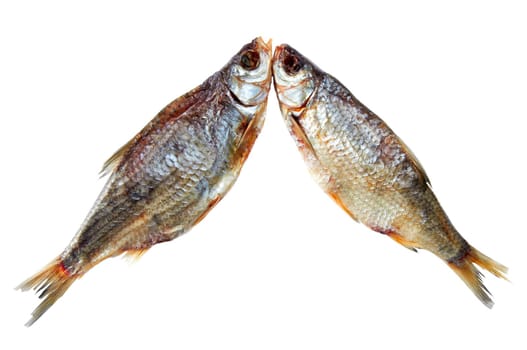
[
  {"x": 465, "y": 268},
  {"x": 488, "y": 264},
  {"x": 50, "y": 284}
]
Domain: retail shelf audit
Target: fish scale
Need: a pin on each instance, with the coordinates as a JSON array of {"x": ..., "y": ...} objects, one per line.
[{"x": 336, "y": 148}]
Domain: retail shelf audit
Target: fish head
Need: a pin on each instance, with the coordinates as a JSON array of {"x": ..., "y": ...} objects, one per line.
[
  {"x": 249, "y": 73},
  {"x": 294, "y": 78}
]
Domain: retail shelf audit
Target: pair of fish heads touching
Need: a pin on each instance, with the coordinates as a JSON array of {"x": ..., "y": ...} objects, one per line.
[{"x": 173, "y": 172}]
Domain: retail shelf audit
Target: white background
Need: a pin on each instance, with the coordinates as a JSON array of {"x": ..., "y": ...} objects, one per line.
[{"x": 276, "y": 265}]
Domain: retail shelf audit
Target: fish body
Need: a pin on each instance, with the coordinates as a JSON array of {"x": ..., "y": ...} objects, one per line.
[
  {"x": 170, "y": 175},
  {"x": 367, "y": 169}
]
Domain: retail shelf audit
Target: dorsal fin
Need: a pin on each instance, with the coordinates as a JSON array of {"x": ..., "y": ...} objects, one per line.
[
  {"x": 411, "y": 156},
  {"x": 172, "y": 111},
  {"x": 113, "y": 161},
  {"x": 413, "y": 159}
]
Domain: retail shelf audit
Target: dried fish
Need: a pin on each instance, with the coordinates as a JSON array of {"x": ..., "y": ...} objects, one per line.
[
  {"x": 369, "y": 172},
  {"x": 170, "y": 175}
]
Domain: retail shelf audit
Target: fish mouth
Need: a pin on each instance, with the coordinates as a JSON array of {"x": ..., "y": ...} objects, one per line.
[
  {"x": 267, "y": 47},
  {"x": 278, "y": 52}
]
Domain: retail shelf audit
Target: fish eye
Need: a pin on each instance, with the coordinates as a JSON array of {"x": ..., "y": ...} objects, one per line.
[
  {"x": 250, "y": 60},
  {"x": 292, "y": 64}
]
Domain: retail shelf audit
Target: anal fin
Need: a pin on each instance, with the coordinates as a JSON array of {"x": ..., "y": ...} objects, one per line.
[
  {"x": 398, "y": 238},
  {"x": 134, "y": 255}
]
